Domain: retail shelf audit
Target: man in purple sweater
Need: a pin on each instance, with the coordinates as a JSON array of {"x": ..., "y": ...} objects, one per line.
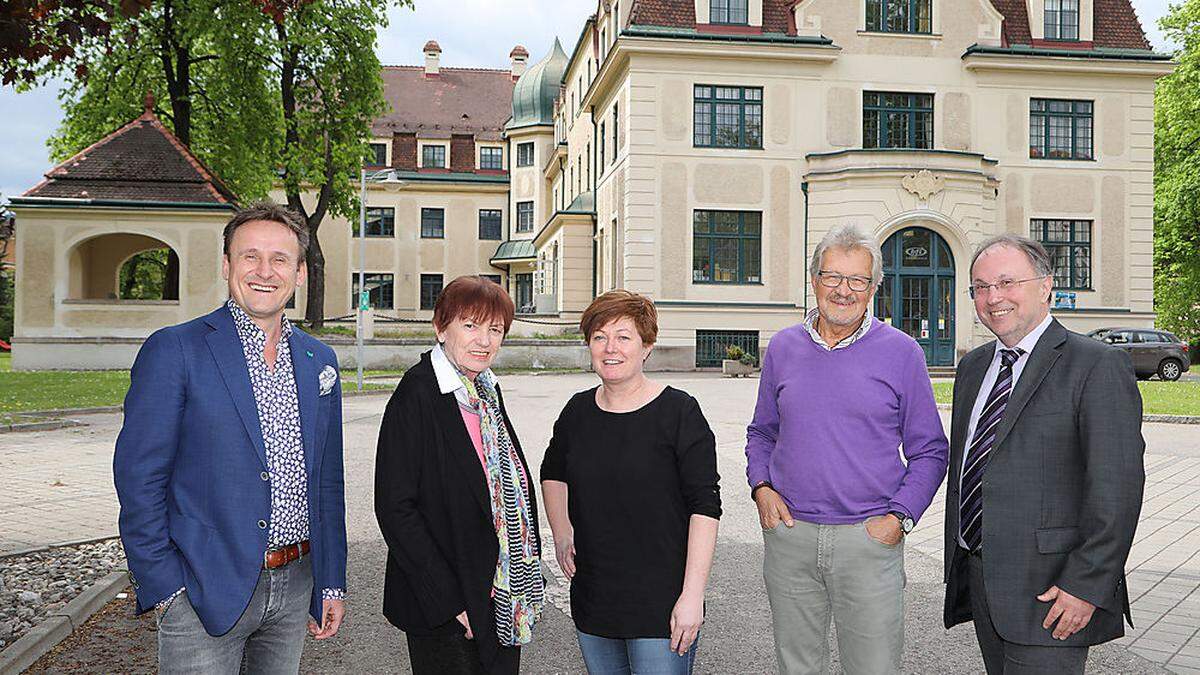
[{"x": 840, "y": 395}]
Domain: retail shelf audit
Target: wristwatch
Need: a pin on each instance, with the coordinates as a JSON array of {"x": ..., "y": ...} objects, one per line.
[
  {"x": 906, "y": 523},
  {"x": 760, "y": 484}
]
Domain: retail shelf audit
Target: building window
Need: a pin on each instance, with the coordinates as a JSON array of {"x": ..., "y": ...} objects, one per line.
[
  {"x": 525, "y": 154},
  {"x": 727, "y": 247},
  {"x": 381, "y": 222},
  {"x": 491, "y": 159},
  {"x": 433, "y": 156},
  {"x": 729, "y": 11},
  {"x": 1069, "y": 243},
  {"x": 601, "y": 145},
  {"x": 616, "y": 138},
  {"x": 900, "y": 16},
  {"x": 1062, "y": 19},
  {"x": 380, "y": 289},
  {"x": 489, "y": 223},
  {"x": 494, "y": 278},
  {"x": 433, "y": 223},
  {"x": 711, "y": 345},
  {"x": 897, "y": 120},
  {"x": 377, "y": 154},
  {"x": 727, "y": 117},
  {"x": 524, "y": 216},
  {"x": 431, "y": 288},
  {"x": 1060, "y": 129}
]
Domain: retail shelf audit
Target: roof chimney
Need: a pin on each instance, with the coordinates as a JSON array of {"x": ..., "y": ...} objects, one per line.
[
  {"x": 519, "y": 56},
  {"x": 432, "y": 54}
]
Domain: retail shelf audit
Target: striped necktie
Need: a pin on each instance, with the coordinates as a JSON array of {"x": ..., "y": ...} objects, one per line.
[{"x": 970, "y": 503}]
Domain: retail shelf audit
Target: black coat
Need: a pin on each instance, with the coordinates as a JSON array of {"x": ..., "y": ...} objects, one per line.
[
  {"x": 1062, "y": 490},
  {"x": 433, "y": 506}
]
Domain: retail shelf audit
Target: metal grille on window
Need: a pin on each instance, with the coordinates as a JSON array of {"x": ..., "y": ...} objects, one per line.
[{"x": 711, "y": 345}]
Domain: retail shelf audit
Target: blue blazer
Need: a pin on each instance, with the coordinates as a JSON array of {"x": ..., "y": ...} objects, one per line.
[{"x": 190, "y": 470}]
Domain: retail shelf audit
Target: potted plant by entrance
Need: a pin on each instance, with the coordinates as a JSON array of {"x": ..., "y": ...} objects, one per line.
[{"x": 737, "y": 363}]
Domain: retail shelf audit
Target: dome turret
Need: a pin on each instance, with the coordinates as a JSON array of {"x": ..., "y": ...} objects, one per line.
[{"x": 536, "y": 90}]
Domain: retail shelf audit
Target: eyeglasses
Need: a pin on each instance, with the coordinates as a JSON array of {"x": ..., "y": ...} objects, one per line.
[
  {"x": 1004, "y": 285},
  {"x": 833, "y": 280}
]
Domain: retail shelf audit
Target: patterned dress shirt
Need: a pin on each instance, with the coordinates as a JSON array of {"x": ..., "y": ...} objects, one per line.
[
  {"x": 810, "y": 324},
  {"x": 279, "y": 418}
]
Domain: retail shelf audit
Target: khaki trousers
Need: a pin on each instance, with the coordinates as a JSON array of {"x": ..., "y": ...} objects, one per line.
[{"x": 815, "y": 573}]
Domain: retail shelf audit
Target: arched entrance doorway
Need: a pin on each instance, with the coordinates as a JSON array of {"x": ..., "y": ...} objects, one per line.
[{"x": 917, "y": 293}]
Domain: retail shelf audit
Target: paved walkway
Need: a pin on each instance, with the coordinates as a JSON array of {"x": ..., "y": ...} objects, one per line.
[{"x": 57, "y": 487}]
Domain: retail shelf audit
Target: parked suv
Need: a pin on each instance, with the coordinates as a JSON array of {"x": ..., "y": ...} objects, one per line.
[{"x": 1153, "y": 351}]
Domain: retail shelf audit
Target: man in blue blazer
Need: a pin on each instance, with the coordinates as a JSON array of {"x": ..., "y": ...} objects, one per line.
[{"x": 229, "y": 469}]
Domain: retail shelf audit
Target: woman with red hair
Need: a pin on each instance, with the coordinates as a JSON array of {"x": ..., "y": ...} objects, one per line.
[{"x": 454, "y": 499}]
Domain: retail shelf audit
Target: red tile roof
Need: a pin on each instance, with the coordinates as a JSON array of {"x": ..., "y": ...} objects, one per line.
[
  {"x": 141, "y": 161},
  {"x": 1116, "y": 23},
  {"x": 459, "y": 100}
]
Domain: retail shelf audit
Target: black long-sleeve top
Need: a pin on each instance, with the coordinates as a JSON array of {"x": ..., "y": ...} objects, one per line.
[{"x": 634, "y": 479}]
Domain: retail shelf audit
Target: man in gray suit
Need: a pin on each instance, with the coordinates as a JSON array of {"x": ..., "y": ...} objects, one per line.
[{"x": 1046, "y": 475}]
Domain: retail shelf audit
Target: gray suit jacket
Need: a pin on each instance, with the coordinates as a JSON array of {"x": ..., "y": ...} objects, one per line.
[{"x": 1062, "y": 490}]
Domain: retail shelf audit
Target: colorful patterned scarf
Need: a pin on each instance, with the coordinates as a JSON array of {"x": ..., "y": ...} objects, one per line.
[{"x": 518, "y": 588}]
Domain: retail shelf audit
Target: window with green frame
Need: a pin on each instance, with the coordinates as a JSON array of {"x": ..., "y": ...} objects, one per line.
[
  {"x": 735, "y": 12},
  {"x": 1069, "y": 243},
  {"x": 897, "y": 120},
  {"x": 900, "y": 16},
  {"x": 1062, "y": 20},
  {"x": 1060, "y": 129},
  {"x": 727, "y": 117},
  {"x": 727, "y": 247}
]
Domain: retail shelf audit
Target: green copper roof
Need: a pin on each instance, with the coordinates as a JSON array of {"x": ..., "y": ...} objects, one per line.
[
  {"x": 515, "y": 249},
  {"x": 534, "y": 94}
]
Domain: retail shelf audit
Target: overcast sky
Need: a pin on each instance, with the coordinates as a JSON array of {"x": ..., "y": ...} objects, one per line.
[{"x": 477, "y": 33}]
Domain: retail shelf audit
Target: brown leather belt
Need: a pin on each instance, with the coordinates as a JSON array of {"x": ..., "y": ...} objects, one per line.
[{"x": 278, "y": 557}]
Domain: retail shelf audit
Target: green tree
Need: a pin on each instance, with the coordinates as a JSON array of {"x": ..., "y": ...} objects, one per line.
[
  {"x": 197, "y": 57},
  {"x": 1177, "y": 179},
  {"x": 330, "y": 90}
]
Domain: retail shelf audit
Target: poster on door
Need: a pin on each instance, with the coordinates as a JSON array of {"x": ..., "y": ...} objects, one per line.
[{"x": 924, "y": 328}]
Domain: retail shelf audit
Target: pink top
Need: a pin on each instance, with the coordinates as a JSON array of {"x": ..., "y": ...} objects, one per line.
[{"x": 472, "y": 421}]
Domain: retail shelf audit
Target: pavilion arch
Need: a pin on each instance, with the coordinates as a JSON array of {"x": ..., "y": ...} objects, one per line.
[{"x": 94, "y": 265}]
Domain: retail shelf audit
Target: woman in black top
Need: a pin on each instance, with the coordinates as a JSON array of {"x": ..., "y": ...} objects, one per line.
[
  {"x": 455, "y": 501},
  {"x": 630, "y": 485}
]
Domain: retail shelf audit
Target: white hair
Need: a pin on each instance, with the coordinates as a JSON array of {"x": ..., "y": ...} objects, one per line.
[{"x": 845, "y": 237}]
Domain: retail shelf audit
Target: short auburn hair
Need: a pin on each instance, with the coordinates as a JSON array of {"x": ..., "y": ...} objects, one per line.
[
  {"x": 617, "y": 304},
  {"x": 473, "y": 297}
]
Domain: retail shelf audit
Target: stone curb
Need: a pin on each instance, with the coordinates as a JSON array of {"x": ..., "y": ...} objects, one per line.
[
  {"x": 61, "y": 544},
  {"x": 1161, "y": 419},
  {"x": 39, "y": 426},
  {"x": 58, "y": 626}
]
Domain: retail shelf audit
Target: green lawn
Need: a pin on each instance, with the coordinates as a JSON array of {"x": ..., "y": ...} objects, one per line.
[
  {"x": 1158, "y": 398},
  {"x": 61, "y": 389}
]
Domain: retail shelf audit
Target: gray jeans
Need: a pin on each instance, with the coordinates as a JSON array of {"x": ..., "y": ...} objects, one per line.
[
  {"x": 818, "y": 572},
  {"x": 269, "y": 636}
]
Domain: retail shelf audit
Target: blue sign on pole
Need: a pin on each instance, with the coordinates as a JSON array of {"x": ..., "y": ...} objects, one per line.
[{"x": 364, "y": 300}]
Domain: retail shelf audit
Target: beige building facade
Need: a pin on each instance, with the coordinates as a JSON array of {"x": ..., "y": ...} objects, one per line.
[
  {"x": 696, "y": 151},
  {"x": 725, "y": 150}
]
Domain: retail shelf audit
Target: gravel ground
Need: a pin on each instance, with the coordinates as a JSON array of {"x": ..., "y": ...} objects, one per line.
[{"x": 35, "y": 585}]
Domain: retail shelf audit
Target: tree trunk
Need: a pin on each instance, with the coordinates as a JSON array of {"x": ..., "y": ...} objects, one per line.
[
  {"x": 126, "y": 292},
  {"x": 175, "y": 55},
  {"x": 314, "y": 311}
]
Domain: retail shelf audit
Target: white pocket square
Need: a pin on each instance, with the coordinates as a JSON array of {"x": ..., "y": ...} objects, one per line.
[{"x": 327, "y": 379}]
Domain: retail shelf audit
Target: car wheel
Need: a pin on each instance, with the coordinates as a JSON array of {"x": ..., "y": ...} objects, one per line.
[{"x": 1170, "y": 370}]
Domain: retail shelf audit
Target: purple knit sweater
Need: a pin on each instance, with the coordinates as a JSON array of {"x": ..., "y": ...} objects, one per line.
[{"x": 829, "y": 425}]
